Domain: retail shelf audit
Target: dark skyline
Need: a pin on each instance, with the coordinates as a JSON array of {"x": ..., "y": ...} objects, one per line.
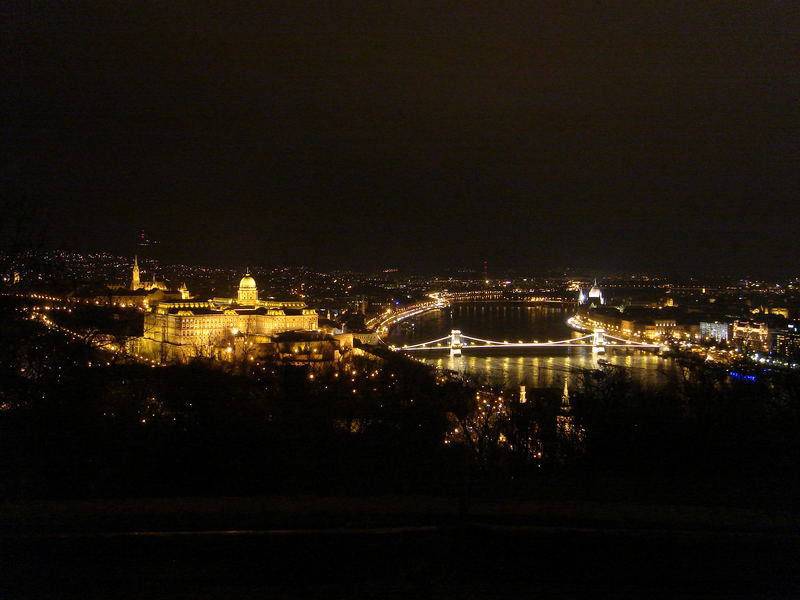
[{"x": 609, "y": 136}]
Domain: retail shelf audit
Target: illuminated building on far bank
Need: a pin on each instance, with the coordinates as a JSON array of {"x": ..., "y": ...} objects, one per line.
[
  {"x": 751, "y": 335},
  {"x": 787, "y": 343},
  {"x": 719, "y": 332},
  {"x": 595, "y": 296},
  {"x": 179, "y": 330}
]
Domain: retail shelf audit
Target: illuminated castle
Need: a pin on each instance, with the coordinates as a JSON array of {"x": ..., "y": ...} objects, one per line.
[{"x": 184, "y": 329}]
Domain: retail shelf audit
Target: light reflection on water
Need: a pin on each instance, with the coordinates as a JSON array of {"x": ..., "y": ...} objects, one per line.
[{"x": 540, "y": 367}]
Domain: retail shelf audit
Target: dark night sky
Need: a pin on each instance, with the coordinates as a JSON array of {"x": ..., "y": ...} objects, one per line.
[{"x": 611, "y": 135}]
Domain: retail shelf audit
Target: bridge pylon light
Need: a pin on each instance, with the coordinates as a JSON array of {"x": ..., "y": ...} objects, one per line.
[
  {"x": 599, "y": 341},
  {"x": 455, "y": 342}
]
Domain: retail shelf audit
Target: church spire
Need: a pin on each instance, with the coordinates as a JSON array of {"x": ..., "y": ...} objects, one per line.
[{"x": 135, "y": 274}]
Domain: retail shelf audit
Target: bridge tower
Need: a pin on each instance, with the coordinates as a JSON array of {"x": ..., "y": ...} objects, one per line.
[
  {"x": 455, "y": 342},
  {"x": 599, "y": 341}
]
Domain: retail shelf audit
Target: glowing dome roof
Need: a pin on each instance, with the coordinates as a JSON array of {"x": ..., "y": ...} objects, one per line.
[
  {"x": 595, "y": 291},
  {"x": 247, "y": 282}
]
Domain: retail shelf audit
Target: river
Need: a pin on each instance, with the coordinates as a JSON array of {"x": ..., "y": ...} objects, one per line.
[{"x": 534, "y": 367}]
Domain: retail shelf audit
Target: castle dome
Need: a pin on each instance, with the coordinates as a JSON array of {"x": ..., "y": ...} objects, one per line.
[{"x": 247, "y": 283}]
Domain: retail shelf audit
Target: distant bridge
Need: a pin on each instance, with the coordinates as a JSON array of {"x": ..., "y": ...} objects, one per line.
[
  {"x": 382, "y": 322},
  {"x": 598, "y": 341},
  {"x": 505, "y": 295}
]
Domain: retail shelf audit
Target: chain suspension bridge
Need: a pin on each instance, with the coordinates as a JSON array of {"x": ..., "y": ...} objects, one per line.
[{"x": 598, "y": 341}]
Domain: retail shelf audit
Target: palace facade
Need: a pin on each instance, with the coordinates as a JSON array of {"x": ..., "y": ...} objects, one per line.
[{"x": 180, "y": 330}]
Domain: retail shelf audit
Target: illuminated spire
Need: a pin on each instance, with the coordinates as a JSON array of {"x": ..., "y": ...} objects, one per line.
[
  {"x": 596, "y": 292},
  {"x": 135, "y": 275}
]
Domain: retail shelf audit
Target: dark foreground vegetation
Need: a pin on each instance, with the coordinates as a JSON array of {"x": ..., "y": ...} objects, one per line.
[
  {"x": 74, "y": 424},
  {"x": 382, "y": 477}
]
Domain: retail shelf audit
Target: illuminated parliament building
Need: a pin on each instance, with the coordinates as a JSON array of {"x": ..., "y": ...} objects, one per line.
[{"x": 179, "y": 330}]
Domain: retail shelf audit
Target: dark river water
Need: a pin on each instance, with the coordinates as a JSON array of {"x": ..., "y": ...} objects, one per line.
[{"x": 534, "y": 367}]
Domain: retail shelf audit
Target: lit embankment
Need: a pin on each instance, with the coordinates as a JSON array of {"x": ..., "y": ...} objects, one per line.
[
  {"x": 586, "y": 323},
  {"x": 682, "y": 344},
  {"x": 381, "y": 323},
  {"x": 576, "y": 323},
  {"x": 102, "y": 342},
  {"x": 105, "y": 300}
]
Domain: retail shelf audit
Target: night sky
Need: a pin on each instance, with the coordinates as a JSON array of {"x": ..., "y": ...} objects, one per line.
[{"x": 607, "y": 135}]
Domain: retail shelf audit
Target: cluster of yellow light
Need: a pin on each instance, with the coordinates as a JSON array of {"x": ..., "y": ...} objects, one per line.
[{"x": 112, "y": 348}]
